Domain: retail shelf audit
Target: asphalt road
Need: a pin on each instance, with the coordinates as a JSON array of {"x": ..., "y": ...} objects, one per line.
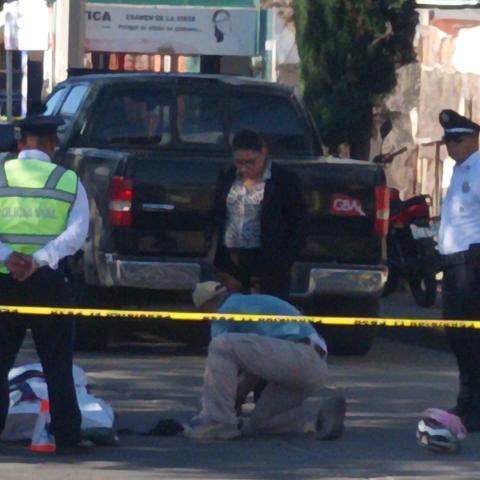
[{"x": 145, "y": 381}]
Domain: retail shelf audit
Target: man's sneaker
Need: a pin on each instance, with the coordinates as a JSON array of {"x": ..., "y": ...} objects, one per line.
[
  {"x": 435, "y": 436},
  {"x": 471, "y": 420},
  {"x": 82, "y": 446},
  {"x": 331, "y": 417},
  {"x": 461, "y": 408},
  {"x": 210, "y": 431}
]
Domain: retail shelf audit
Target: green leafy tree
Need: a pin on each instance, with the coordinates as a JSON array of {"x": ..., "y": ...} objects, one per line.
[{"x": 349, "y": 51}]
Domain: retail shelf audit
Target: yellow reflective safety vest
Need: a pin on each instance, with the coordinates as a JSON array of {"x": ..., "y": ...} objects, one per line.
[{"x": 35, "y": 200}]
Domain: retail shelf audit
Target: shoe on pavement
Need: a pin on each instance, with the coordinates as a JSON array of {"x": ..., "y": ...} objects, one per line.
[
  {"x": 471, "y": 420},
  {"x": 331, "y": 417},
  {"x": 458, "y": 410},
  {"x": 82, "y": 446},
  {"x": 461, "y": 408},
  {"x": 210, "y": 431},
  {"x": 464, "y": 401},
  {"x": 436, "y": 437}
]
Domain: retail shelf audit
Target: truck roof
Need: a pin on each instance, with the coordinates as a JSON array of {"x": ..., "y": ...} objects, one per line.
[{"x": 83, "y": 75}]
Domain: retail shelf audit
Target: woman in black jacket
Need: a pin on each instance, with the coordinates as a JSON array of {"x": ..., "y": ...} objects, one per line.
[{"x": 257, "y": 220}]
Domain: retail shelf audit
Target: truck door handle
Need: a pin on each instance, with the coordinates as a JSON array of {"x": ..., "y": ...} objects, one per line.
[{"x": 158, "y": 207}]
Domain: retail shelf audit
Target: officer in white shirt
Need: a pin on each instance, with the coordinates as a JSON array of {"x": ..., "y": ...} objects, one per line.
[
  {"x": 459, "y": 246},
  {"x": 44, "y": 218}
]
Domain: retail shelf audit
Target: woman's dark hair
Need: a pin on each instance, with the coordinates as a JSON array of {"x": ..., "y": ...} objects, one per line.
[{"x": 247, "y": 140}]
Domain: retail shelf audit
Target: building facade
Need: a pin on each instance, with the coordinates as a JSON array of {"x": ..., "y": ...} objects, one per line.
[{"x": 209, "y": 36}]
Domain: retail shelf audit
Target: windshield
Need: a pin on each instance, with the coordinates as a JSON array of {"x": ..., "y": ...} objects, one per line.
[{"x": 274, "y": 118}]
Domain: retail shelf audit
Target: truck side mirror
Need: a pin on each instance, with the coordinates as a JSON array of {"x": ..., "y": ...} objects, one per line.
[{"x": 7, "y": 138}]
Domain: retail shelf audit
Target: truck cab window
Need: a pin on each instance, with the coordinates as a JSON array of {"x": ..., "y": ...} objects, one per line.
[
  {"x": 274, "y": 118},
  {"x": 53, "y": 102},
  {"x": 70, "y": 106},
  {"x": 131, "y": 117},
  {"x": 73, "y": 100},
  {"x": 200, "y": 119}
]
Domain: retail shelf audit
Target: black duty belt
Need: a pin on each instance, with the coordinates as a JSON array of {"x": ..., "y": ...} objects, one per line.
[
  {"x": 316, "y": 346},
  {"x": 457, "y": 258}
]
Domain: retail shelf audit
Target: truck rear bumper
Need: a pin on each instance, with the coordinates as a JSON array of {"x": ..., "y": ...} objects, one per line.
[
  {"x": 308, "y": 279},
  {"x": 150, "y": 273},
  {"x": 345, "y": 280}
]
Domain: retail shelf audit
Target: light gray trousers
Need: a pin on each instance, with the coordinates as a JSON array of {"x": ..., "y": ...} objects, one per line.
[{"x": 295, "y": 372}]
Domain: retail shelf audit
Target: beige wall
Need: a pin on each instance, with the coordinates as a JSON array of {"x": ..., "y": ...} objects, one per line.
[
  {"x": 68, "y": 33},
  {"x": 450, "y": 78},
  {"x": 447, "y": 75}
]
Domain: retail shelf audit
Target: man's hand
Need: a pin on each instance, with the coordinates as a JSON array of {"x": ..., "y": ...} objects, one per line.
[
  {"x": 233, "y": 285},
  {"x": 246, "y": 384},
  {"x": 21, "y": 266}
]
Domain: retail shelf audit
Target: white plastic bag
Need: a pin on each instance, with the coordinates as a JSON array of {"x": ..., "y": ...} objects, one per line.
[{"x": 28, "y": 388}]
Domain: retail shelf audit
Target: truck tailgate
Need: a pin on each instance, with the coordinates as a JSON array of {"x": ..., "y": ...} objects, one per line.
[
  {"x": 171, "y": 197},
  {"x": 341, "y": 204},
  {"x": 172, "y": 194}
]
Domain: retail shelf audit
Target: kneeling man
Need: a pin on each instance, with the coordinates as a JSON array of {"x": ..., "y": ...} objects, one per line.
[{"x": 290, "y": 356}]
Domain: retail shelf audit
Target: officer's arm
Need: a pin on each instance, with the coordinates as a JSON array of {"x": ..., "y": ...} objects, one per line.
[{"x": 72, "y": 238}]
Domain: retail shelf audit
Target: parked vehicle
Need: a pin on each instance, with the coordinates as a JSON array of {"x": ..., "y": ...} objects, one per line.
[
  {"x": 148, "y": 149},
  {"x": 411, "y": 245}
]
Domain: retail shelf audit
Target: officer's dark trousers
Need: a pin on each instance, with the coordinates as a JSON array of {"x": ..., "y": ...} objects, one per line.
[
  {"x": 53, "y": 338},
  {"x": 461, "y": 301}
]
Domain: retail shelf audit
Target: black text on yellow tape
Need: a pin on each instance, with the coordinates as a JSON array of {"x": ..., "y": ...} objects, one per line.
[{"x": 196, "y": 316}]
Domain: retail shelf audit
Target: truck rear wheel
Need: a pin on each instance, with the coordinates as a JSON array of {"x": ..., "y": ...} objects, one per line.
[
  {"x": 91, "y": 333},
  {"x": 349, "y": 339},
  {"x": 193, "y": 334}
]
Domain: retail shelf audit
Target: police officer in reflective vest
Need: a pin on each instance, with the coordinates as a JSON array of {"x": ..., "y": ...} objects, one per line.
[
  {"x": 44, "y": 218},
  {"x": 459, "y": 246}
]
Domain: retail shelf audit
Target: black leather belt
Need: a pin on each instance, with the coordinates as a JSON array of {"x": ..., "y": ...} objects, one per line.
[
  {"x": 457, "y": 258},
  {"x": 316, "y": 346}
]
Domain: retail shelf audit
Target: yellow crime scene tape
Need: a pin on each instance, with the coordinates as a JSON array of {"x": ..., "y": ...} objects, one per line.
[{"x": 196, "y": 316}]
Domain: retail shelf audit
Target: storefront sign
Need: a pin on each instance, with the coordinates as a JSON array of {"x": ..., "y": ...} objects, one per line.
[
  {"x": 167, "y": 30},
  {"x": 26, "y": 25}
]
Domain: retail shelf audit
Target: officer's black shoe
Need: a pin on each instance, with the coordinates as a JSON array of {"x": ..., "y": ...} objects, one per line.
[
  {"x": 471, "y": 418},
  {"x": 472, "y": 421},
  {"x": 460, "y": 409},
  {"x": 82, "y": 446},
  {"x": 464, "y": 401}
]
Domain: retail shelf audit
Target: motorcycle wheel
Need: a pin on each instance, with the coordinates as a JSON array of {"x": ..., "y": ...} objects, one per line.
[
  {"x": 392, "y": 282},
  {"x": 424, "y": 288}
]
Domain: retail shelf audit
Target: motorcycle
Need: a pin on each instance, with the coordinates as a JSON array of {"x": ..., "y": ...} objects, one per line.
[{"x": 411, "y": 246}]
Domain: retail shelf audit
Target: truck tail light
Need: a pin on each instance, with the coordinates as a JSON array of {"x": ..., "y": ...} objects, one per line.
[
  {"x": 382, "y": 211},
  {"x": 120, "y": 204}
]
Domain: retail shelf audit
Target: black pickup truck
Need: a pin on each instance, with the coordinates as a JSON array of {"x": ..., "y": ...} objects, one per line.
[{"x": 148, "y": 149}]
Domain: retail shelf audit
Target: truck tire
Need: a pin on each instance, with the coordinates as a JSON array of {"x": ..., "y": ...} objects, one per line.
[
  {"x": 91, "y": 333},
  {"x": 345, "y": 340},
  {"x": 193, "y": 334}
]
